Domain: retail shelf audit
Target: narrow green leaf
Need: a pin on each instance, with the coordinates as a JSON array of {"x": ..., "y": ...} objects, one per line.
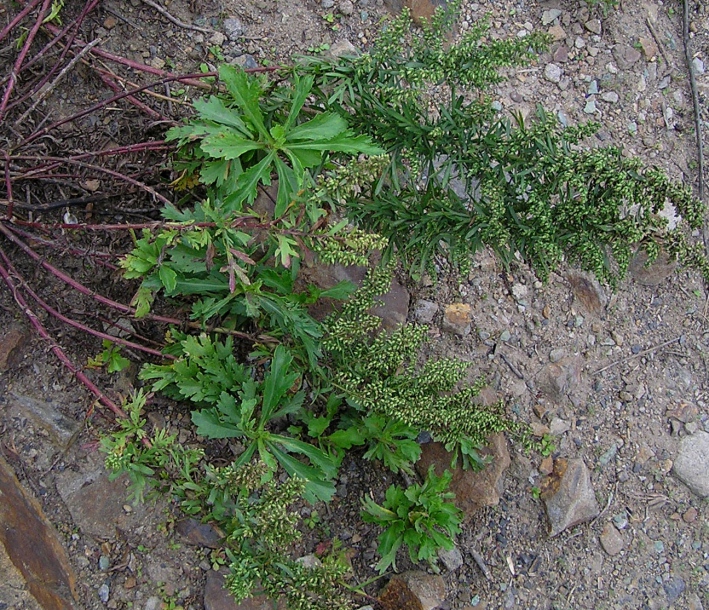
[
  {"x": 228, "y": 145},
  {"x": 323, "y": 126},
  {"x": 302, "y": 87},
  {"x": 168, "y": 277}
]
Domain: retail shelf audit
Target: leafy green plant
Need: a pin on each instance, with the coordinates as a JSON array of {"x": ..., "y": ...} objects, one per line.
[
  {"x": 547, "y": 445},
  {"x": 239, "y": 144},
  {"x": 419, "y": 517},
  {"x": 110, "y": 357},
  {"x": 149, "y": 460},
  {"x": 465, "y": 176},
  {"x": 242, "y": 407},
  {"x": 388, "y": 440}
]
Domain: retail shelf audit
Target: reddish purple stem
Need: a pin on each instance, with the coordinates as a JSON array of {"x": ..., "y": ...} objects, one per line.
[
  {"x": 76, "y": 285},
  {"x": 21, "y": 58},
  {"x": 61, "y": 317},
  {"x": 111, "y": 84},
  {"x": 56, "y": 349},
  {"x": 19, "y": 17}
]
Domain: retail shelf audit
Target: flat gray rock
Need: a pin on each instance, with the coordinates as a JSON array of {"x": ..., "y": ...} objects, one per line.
[
  {"x": 692, "y": 464},
  {"x": 568, "y": 496}
]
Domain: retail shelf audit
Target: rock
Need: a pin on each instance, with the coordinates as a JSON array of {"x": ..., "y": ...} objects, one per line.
[
  {"x": 556, "y": 354},
  {"x": 653, "y": 274},
  {"x": 625, "y": 56},
  {"x": 31, "y": 543},
  {"x": 692, "y": 463},
  {"x": 546, "y": 467},
  {"x": 425, "y": 311},
  {"x": 104, "y": 592},
  {"x": 473, "y": 490},
  {"x": 556, "y": 379},
  {"x": 217, "y": 39},
  {"x": 684, "y": 412},
  {"x": 233, "y": 28},
  {"x": 649, "y": 47},
  {"x": 558, "y": 426},
  {"x": 452, "y": 559},
  {"x": 309, "y": 561},
  {"x": 413, "y": 590},
  {"x": 612, "y": 540},
  {"x": 557, "y": 32},
  {"x": 568, "y": 496},
  {"x": 199, "y": 534},
  {"x": 561, "y": 55},
  {"x": 457, "y": 318},
  {"x": 95, "y": 503},
  {"x": 698, "y": 65},
  {"x": 552, "y": 73},
  {"x": 393, "y": 311},
  {"x": 13, "y": 588},
  {"x": 153, "y": 603},
  {"x": 550, "y": 15},
  {"x": 690, "y": 515},
  {"x": 590, "y": 107},
  {"x": 346, "y": 7},
  {"x": 11, "y": 345},
  {"x": 420, "y": 9},
  {"x": 674, "y": 587},
  {"x": 45, "y": 415},
  {"x": 342, "y": 48},
  {"x": 610, "y": 96},
  {"x": 246, "y": 61},
  {"x": 594, "y": 26},
  {"x": 587, "y": 292},
  {"x": 216, "y": 597}
]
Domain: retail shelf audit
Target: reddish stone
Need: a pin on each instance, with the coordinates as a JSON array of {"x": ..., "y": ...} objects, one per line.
[{"x": 33, "y": 546}]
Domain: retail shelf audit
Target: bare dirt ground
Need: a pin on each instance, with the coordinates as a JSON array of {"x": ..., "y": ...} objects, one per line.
[{"x": 618, "y": 378}]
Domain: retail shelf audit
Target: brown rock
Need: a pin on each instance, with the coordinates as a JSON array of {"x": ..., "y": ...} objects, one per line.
[
  {"x": 473, "y": 489},
  {"x": 420, "y": 9},
  {"x": 547, "y": 465},
  {"x": 653, "y": 274},
  {"x": 13, "y": 588},
  {"x": 96, "y": 504},
  {"x": 684, "y": 412},
  {"x": 625, "y": 56},
  {"x": 649, "y": 47},
  {"x": 200, "y": 534},
  {"x": 33, "y": 546},
  {"x": 457, "y": 318},
  {"x": 587, "y": 292},
  {"x": 11, "y": 345},
  {"x": 612, "y": 540},
  {"x": 394, "y": 308},
  {"x": 690, "y": 515},
  {"x": 557, "y": 32},
  {"x": 413, "y": 590},
  {"x": 556, "y": 379},
  {"x": 568, "y": 496}
]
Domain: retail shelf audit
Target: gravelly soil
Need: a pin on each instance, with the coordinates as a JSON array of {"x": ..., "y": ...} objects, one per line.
[{"x": 633, "y": 356}]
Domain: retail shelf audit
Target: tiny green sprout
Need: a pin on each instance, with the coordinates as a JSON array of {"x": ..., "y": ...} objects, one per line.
[
  {"x": 536, "y": 492},
  {"x": 698, "y": 293},
  {"x": 216, "y": 50},
  {"x": 110, "y": 357},
  {"x": 329, "y": 17},
  {"x": 546, "y": 445}
]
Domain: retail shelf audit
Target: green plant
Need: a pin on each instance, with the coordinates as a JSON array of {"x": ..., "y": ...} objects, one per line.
[
  {"x": 388, "y": 440},
  {"x": 418, "y": 517},
  {"x": 110, "y": 357},
  {"x": 465, "y": 177},
  {"x": 242, "y": 407},
  {"x": 238, "y": 144},
  {"x": 547, "y": 445}
]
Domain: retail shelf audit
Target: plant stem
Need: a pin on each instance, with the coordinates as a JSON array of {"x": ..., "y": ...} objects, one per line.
[
  {"x": 56, "y": 349},
  {"x": 21, "y": 58},
  {"x": 61, "y": 317}
]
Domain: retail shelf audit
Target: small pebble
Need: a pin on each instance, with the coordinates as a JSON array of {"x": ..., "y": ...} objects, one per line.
[
  {"x": 104, "y": 592},
  {"x": 104, "y": 562}
]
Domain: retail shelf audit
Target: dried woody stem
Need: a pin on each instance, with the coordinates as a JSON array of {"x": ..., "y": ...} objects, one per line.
[
  {"x": 54, "y": 346},
  {"x": 21, "y": 58},
  {"x": 61, "y": 317}
]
